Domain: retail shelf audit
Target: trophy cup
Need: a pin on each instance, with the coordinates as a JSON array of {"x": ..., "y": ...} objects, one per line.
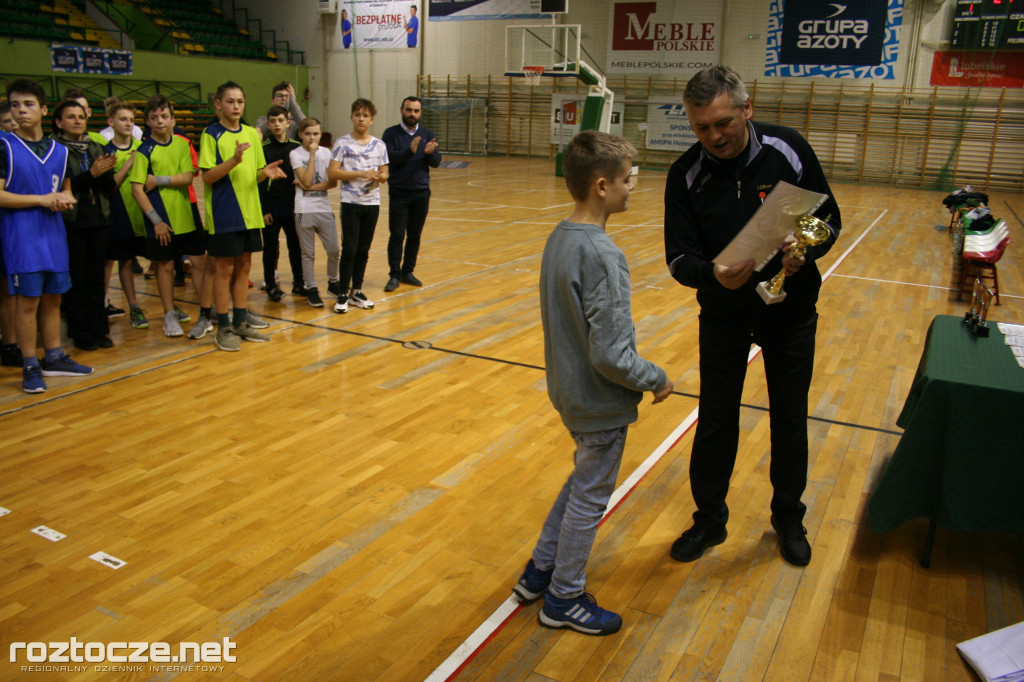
[
  {"x": 976, "y": 317},
  {"x": 810, "y": 231}
]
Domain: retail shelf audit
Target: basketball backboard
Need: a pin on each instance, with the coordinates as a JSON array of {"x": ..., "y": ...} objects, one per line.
[{"x": 556, "y": 47}]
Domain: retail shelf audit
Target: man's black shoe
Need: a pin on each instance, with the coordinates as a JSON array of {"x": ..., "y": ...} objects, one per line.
[
  {"x": 793, "y": 543},
  {"x": 410, "y": 278},
  {"x": 104, "y": 342},
  {"x": 392, "y": 284},
  {"x": 692, "y": 543},
  {"x": 10, "y": 355},
  {"x": 86, "y": 345},
  {"x": 298, "y": 289}
]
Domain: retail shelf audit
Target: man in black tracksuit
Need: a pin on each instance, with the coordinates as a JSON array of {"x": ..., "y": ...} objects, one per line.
[{"x": 712, "y": 191}]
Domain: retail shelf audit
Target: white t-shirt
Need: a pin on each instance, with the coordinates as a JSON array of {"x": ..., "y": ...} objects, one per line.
[
  {"x": 314, "y": 201},
  {"x": 359, "y": 157}
]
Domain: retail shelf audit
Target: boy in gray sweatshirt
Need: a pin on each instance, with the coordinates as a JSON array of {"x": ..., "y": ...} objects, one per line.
[{"x": 595, "y": 376}]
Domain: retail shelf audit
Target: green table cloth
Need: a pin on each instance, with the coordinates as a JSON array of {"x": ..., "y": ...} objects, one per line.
[{"x": 960, "y": 461}]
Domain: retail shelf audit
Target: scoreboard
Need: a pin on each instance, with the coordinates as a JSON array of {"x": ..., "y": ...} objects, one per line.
[{"x": 988, "y": 25}]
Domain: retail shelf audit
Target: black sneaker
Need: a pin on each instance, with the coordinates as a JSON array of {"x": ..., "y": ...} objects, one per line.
[
  {"x": 275, "y": 294},
  {"x": 113, "y": 312},
  {"x": 392, "y": 284},
  {"x": 410, "y": 278},
  {"x": 10, "y": 355},
  {"x": 793, "y": 545},
  {"x": 334, "y": 288},
  {"x": 313, "y": 296},
  {"x": 298, "y": 289},
  {"x": 692, "y": 543},
  {"x": 86, "y": 345},
  {"x": 359, "y": 300}
]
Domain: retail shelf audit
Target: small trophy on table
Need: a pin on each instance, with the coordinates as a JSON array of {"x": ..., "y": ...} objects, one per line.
[
  {"x": 976, "y": 317},
  {"x": 810, "y": 231}
]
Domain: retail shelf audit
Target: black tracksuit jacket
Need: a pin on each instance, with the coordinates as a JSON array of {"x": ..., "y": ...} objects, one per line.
[{"x": 707, "y": 203}]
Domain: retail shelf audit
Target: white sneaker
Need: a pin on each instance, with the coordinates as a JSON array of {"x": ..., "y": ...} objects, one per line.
[
  {"x": 359, "y": 300},
  {"x": 342, "y": 305},
  {"x": 172, "y": 327}
]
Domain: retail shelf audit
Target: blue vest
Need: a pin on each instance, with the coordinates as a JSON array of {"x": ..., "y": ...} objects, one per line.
[{"x": 33, "y": 238}]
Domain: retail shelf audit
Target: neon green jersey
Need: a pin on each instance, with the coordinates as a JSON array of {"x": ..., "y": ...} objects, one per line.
[
  {"x": 125, "y": 213},
  {"x": 233, "y": 202},
  {"x": 172, "y": 203}
]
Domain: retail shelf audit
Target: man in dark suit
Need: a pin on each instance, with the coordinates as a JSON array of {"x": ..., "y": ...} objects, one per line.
[{"x": 412, "y": 151}]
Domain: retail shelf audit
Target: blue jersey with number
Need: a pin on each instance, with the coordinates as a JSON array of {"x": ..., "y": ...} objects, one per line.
[{"x": 33, "y": 238}]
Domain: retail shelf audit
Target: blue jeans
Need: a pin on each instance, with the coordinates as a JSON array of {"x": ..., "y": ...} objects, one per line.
[{"x": 571, "y": 526}]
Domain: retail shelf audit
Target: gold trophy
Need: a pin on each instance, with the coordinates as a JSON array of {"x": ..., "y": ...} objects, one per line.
[{"x": 810, "y": 231}]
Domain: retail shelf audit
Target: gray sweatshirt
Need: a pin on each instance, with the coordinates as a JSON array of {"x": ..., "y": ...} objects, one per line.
[{"x": 595, "y": 376}]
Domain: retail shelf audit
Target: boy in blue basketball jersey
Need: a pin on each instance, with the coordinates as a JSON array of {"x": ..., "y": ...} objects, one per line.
[
  {"x": 10, "y": 356},
  {"x": 231, "y": 159},
  {"x": 34, "y": 189}
]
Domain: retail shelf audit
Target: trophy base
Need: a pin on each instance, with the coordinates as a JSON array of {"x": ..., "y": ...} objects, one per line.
[
  {"x": 769, "y": 297},
  {"x": 978, "y": 326}
]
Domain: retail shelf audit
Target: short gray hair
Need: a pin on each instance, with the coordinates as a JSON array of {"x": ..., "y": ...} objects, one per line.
[{"x": 711, "y": 82}]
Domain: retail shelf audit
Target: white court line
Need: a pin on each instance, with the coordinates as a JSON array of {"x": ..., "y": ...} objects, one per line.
[
  {"x": 914, "y": 284},
  {"x": 452, "y": 665}
]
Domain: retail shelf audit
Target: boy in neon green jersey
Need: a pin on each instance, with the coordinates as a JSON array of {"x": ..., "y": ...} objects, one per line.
[
  {"x": 161, "y": 175},
  {"x": 127, "y": 232},
  {"x": 232, "y": 161}
]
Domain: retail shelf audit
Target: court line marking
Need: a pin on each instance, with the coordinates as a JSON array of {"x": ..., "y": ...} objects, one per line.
[
  {"x": 916, "y": 284},
  {"x": 465, "y": 652}
]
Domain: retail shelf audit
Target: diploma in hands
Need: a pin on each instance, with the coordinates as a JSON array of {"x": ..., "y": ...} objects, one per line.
[{"x": 765, "y": 233}]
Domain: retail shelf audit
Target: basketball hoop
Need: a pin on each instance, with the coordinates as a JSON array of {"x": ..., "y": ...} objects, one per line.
[{"x": 533, "y": 74}]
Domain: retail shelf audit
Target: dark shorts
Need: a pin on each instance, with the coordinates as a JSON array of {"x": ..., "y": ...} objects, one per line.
[
  {"x": 234, "y": 244},
  {"x": 126, "y": 249},
  {"x": 190, "y": 244}
]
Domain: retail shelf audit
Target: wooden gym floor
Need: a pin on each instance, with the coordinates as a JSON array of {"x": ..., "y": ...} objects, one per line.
[{"x": 354, "y": 499}]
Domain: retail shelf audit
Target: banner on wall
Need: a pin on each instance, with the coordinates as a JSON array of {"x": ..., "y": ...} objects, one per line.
[
  {"x": 667, "y": 126},
  {"x": 566, "y": 113},
  {"x": 378, "y": 24},
  {"x": 79, "y": 59},
  {"x": 855, "y": 39},
  {"x": 978, "y": 69},
  {"x": 667, "y": 37},
  {"x": 462, "y": 10}
]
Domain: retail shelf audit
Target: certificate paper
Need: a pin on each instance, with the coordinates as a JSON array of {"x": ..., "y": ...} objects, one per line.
[{"x": 763, "y": 235}]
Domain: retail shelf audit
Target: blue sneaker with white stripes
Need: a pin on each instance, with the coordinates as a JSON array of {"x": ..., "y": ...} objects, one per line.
[
  {"x": 533, "y": 582},
  {"x": 581, "y": 613}
]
